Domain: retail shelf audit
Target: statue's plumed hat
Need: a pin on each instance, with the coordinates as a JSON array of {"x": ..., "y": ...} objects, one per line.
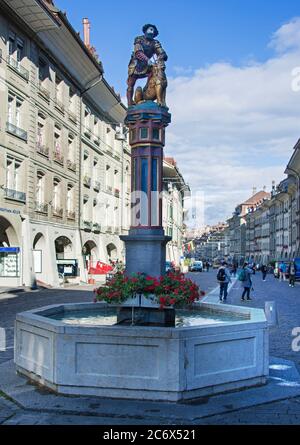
[{"x": 145, "y": 27}]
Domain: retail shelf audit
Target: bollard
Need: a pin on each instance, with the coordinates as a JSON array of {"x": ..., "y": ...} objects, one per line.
[{"x": 271, "y": 313}]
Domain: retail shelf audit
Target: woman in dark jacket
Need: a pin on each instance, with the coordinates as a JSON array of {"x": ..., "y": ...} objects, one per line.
[{"x": 246, "y": 282}]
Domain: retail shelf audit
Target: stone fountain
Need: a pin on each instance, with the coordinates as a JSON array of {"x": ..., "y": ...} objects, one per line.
[{"x": 83, "y": 349}]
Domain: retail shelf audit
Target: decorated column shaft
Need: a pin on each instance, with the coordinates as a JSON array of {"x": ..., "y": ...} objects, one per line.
[{"x": 147, "y": 120}]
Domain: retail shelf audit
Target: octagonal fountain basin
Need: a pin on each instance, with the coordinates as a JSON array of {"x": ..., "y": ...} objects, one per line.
[{"x": 79, "y": 349}]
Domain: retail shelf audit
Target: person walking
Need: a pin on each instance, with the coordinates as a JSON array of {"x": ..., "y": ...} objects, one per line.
[
  {"x": 292, "y": 274},
  {"x": 224, "y": 279},
  {"x": 281, "y": 272},
  {"x": 207, "y": 266},
  {"x": 264, "y": 271},
  {"x": 246, "y": 282}
]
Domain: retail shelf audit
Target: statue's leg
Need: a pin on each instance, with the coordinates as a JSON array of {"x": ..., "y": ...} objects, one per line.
[{"x": 130, "y": 88}]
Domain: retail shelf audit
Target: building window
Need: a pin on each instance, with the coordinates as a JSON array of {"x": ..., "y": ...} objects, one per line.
[
  {"x": 16, "y": 46},
  {"x": 58, "y": 88},
  {"x": 156, "y": 134},
  {"x": 43, "y": 70},
  {"x": 15, "y": 116},
  {"x": 41, "y": 130},
  {"x": 58, "y": 155},
  {"x": 71, "y": 148},
  {"x": 13, "y": 173},
  {"x": 144, "y": 133},
  {"x": 57, "y": 207},
  {"x": 40, "y": 188},
  {"x": 70, "y": 199}
]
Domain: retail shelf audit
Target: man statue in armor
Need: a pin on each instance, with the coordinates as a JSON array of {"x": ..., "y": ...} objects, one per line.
[{"x": 140, "y": 65}]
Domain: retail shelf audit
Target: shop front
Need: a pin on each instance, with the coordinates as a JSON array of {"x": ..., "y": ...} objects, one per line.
[{"x": 10, "y": 253}]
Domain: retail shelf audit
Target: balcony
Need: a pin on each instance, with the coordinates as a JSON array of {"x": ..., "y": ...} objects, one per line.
[
  {"x": 57, "y": 211},
  {"x": 71, "y": 165},
  {"x": 15, "y": 195},
  {"x": 97, "y": 186},
  {"x": 43, "y": 91},
  {"x": 41, "y": 207},
  {"x": 117, "y": 193},
  {"x": 96, "y": 228},
  {"x": 16, "y": 131},
  {"x": 87, "y": 225},
  {"x": 87, "y": 181},
  {"x": 42, "y": 149},
  {"x": 58, "y": 157},
  {"x": 71, "y": 214},
  {"x": 17, "y": 67}
]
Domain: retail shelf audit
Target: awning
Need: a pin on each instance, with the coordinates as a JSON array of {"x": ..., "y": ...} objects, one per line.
[{"x": 34, "y": 13}]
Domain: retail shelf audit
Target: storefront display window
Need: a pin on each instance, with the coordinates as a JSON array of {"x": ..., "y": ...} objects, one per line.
[{"x": 9, "y": 262}]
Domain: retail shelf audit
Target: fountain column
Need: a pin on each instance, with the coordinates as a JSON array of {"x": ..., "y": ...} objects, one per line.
[{"x": 146, "y": 241}]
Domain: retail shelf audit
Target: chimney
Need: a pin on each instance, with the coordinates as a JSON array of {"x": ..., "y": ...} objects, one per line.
[
  {"x": 264, "y": 188},
  {"x": 273, "y": 185},
  {"x": 254, "y": 191},
  {"x": 86, "y": 32}
]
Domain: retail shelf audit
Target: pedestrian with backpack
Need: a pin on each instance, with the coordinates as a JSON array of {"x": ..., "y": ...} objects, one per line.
[
  {"x": 246, "y": 282},
  {"x": 223, "y": 277},
  {"x": 292, "y": 274}
]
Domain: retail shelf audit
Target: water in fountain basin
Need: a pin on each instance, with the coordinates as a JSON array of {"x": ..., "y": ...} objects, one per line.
[{"x": 108, "y": 317}]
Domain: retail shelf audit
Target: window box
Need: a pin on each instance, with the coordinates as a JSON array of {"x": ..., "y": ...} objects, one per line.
[
  {"x": 96, "y": 227},
  {"x": 56, "y": 211},
  {"x": 58, "y": 157},
  {"x": 14, "y": 194},
  {"x": 42, "y": 149},
  {"x": 87, "y": 225},
  {"x": 71, "y": 215},
  {"x": 87, "y": 181},
  {"x": 16, "y": 131},
  {"x": 41, "y": 207},
  {"x": 17, "y": 67},
  {"x": 97, "y": 186},
  {"x": 71, "y": 165}
]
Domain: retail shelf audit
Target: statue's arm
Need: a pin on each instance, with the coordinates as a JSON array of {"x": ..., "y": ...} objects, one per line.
[
  {"x": 160, "y": 52},
  {"x": 139, "y": 51}
]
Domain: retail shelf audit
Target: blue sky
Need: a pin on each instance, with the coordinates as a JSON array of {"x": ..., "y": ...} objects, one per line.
[
  {"x": 235, "y": 116},
  {"x": 194, "y": 32}
]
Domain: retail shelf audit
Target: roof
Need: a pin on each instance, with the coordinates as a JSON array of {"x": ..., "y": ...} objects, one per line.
[
  {"x": 56, "y": 34},
  {"x": 258, "y": 197},
  {"x": 34, "y": 13}
]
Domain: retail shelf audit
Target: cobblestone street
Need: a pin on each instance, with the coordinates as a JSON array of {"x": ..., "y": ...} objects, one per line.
[{"x": 277, "y": 413}]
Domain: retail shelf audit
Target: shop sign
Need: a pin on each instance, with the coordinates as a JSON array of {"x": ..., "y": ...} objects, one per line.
[{"x": 14, "y": 212}]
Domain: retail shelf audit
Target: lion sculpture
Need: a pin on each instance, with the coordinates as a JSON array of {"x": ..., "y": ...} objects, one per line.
[{"x": 156, "y": 87}]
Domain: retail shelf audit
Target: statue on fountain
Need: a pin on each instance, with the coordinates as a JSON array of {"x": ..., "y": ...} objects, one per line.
[{"x": 147, "y": 61}]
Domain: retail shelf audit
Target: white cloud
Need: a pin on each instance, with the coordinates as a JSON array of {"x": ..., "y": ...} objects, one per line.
[
  {"x": 287, "y": 37},
  {"x": 234, "y": 127}
]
